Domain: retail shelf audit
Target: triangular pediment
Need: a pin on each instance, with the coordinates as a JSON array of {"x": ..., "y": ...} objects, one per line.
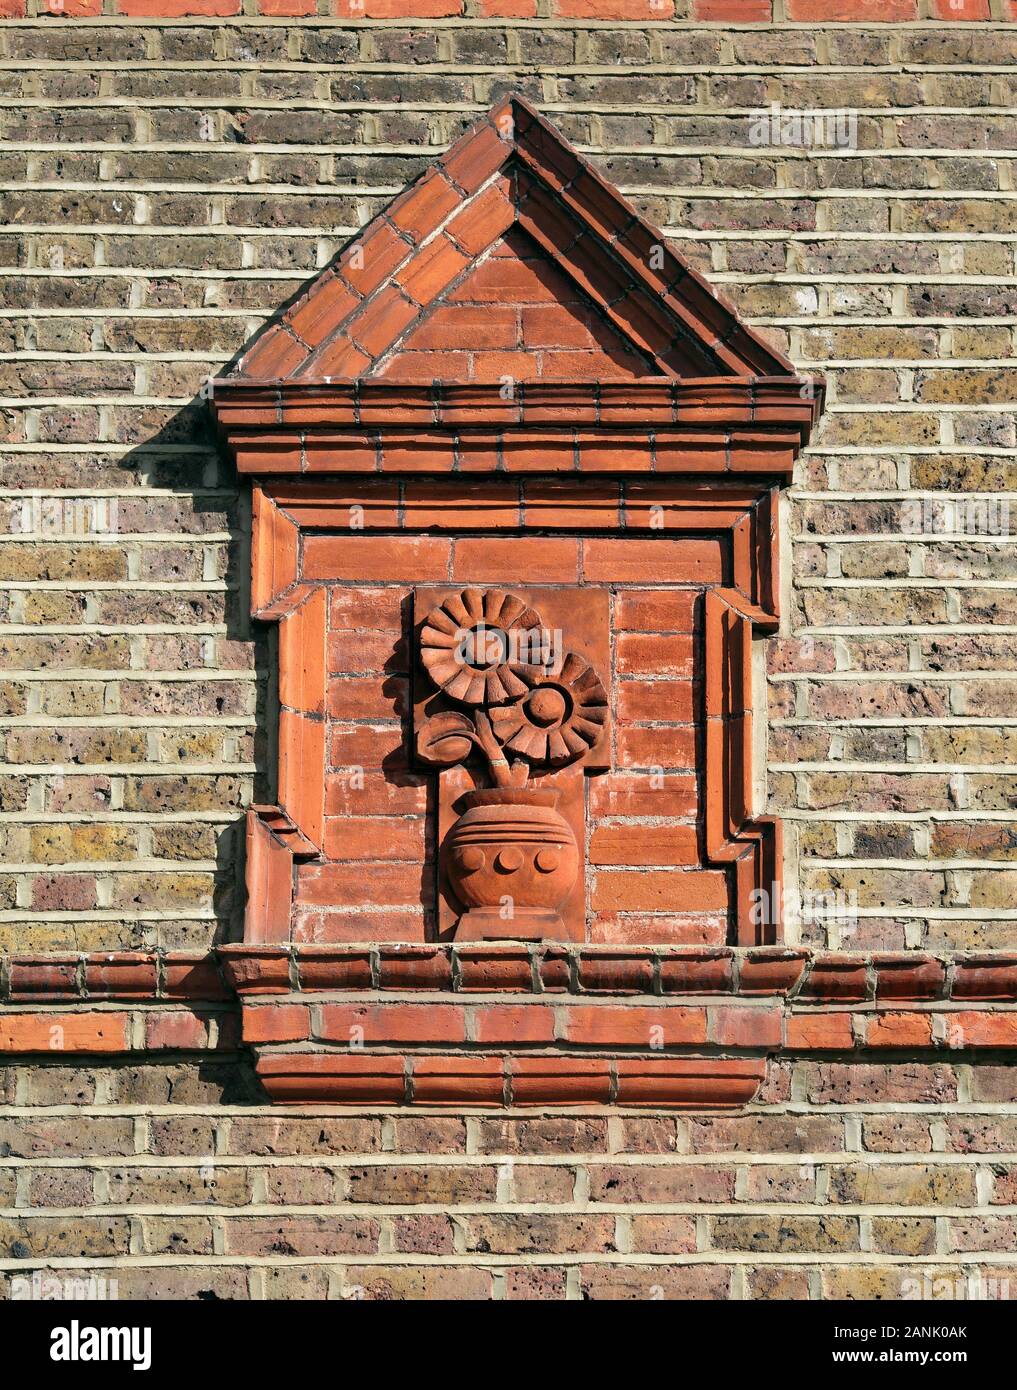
[
  {"x": 510, "y": 257},
  {"x": 514, "y": 314}
]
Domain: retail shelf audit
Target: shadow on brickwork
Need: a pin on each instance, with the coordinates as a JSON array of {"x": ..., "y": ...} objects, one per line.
[{"x": 184, "y": 458}]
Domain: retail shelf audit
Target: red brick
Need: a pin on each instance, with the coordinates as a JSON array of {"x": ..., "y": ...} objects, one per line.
[
  {"x": 608, "y": 1025},
  {"x": 431, "y": 270},
  {"x": 192, "y": 976},
  {"x": 819, "y": 1032},
  {"x": 361, "y": 884},
  {"x": 643, "y": 844},
  {"x": 176, "y": 1028},
  {"x": 569, "y": 1080},
  {"x": 120, "y": 975},
  {"x": 654, "y": 654},
  {"x": 419, "y": 559},
  {"x": 358, "y": 607},
  {"x": 423, "y": 453},
  {"x": 737, "y": 11},
  {"x": 556, "y": 326},
  {"x": 598, "y": 365},
  {"x": 425, "y": 967},
  {"x": 698, "y": 561},
  {"x": 393, "y": 1023},
  {"x": 466, "y": 326},
  {"x": 365, "y": 745},
  {"x": 351, "y": 652},
  {"x": 655, "y": 610},
  {"x": 614, "y": 9},
  {"x": 43, "y": 977},
  {"x": 458, "y": 1080},
  {"x": 453, "y": 503},
  {"x": 982, "y": 1029},
  {"x": 277, "y": 352},
  {"x": 323, "y": 311},
  {"x": 505, "y": 280},
  {"x": 376, "y": 838},
  {"x": 832, "y": 11},
  {"x": 563, "y": 505},
  {"x": 379, "y": 323},
  {"x": 705, "y": 972},
  {"x": 655, "y": 746},
  {"x": 653, "y": 701},
  {"x": 473, "y": 160},
  {"x": 397, "y": 9},
  {"x": 388, "y": 924},
  {"x": 514, "y": 1023},
  {"x": 693, "y": 890},
  {"x": 490, "y": 559},
  {"x": 659, "y": 929},
  {"x": 344, "y": 798},
  {"x": 899, "y": 1030},
  {"x": 621, "y": 972},
  {"x": 484, "y": 219},
  {"x": 741, "y": 1026},
  {"x": 368, "y": 263},
  {"x": 174, "y": 9},
  {"x": 418, "y": 211},
  {"x": 63, "y": 1033},
  {"x": 276, "y": 1023},
  {"x": 410, "y": 365},
  {"x": 488, "y": 970},
  {"x": 641, "y": 794},
  {"x": 502, "y": 366}
]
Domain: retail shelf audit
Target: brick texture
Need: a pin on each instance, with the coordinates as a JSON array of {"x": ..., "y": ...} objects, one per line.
[
  {"x": 869, "y": 1181},
  {"x": 167, "y": 187}
]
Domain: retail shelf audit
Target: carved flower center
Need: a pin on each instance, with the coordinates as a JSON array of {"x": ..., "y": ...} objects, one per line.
[
  {"x": 546, "y": 706},
  {"x": 483, "y": 647}
]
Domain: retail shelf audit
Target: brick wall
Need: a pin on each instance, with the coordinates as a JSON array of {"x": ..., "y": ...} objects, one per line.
[
  {"x": 168, "y": 184},
  {"x": 850, "y": 1182}
]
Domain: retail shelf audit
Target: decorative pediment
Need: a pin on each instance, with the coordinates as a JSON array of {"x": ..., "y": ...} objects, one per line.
[{"x": 510, "y": 216}]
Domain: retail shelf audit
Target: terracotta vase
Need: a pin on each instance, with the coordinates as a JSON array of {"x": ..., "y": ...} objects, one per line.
[{"x": 511, "y": 860}]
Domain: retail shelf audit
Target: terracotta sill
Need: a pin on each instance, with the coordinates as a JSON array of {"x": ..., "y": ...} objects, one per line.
[{"x": 493, "y": 1025}]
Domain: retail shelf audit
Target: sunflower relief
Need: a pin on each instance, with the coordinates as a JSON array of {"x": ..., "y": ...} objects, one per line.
[
  {"x": 525, "y": 702},
  {"x": 519, "y": 702}
]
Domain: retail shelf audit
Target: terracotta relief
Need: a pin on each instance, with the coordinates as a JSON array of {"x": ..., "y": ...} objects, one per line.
[
  {"x": 509, "y": 696},
  {"x": 508, "y": 841}
]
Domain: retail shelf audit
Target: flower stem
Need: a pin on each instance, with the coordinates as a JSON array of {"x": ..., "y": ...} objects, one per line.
[{"x": 497, "y": 761}]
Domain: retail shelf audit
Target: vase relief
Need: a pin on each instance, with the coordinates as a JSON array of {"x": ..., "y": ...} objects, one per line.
[{"x": 510, "y": 698}]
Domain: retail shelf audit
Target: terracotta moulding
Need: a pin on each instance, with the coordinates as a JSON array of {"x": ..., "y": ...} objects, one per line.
[{"x": 519, "y": 1024}]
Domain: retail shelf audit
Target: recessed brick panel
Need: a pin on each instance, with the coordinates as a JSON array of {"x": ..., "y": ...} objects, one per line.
[{"x": 378, "y": 832}]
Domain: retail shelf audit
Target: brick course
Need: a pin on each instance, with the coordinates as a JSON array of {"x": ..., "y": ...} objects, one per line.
[{"x": 167, "y": 187}]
